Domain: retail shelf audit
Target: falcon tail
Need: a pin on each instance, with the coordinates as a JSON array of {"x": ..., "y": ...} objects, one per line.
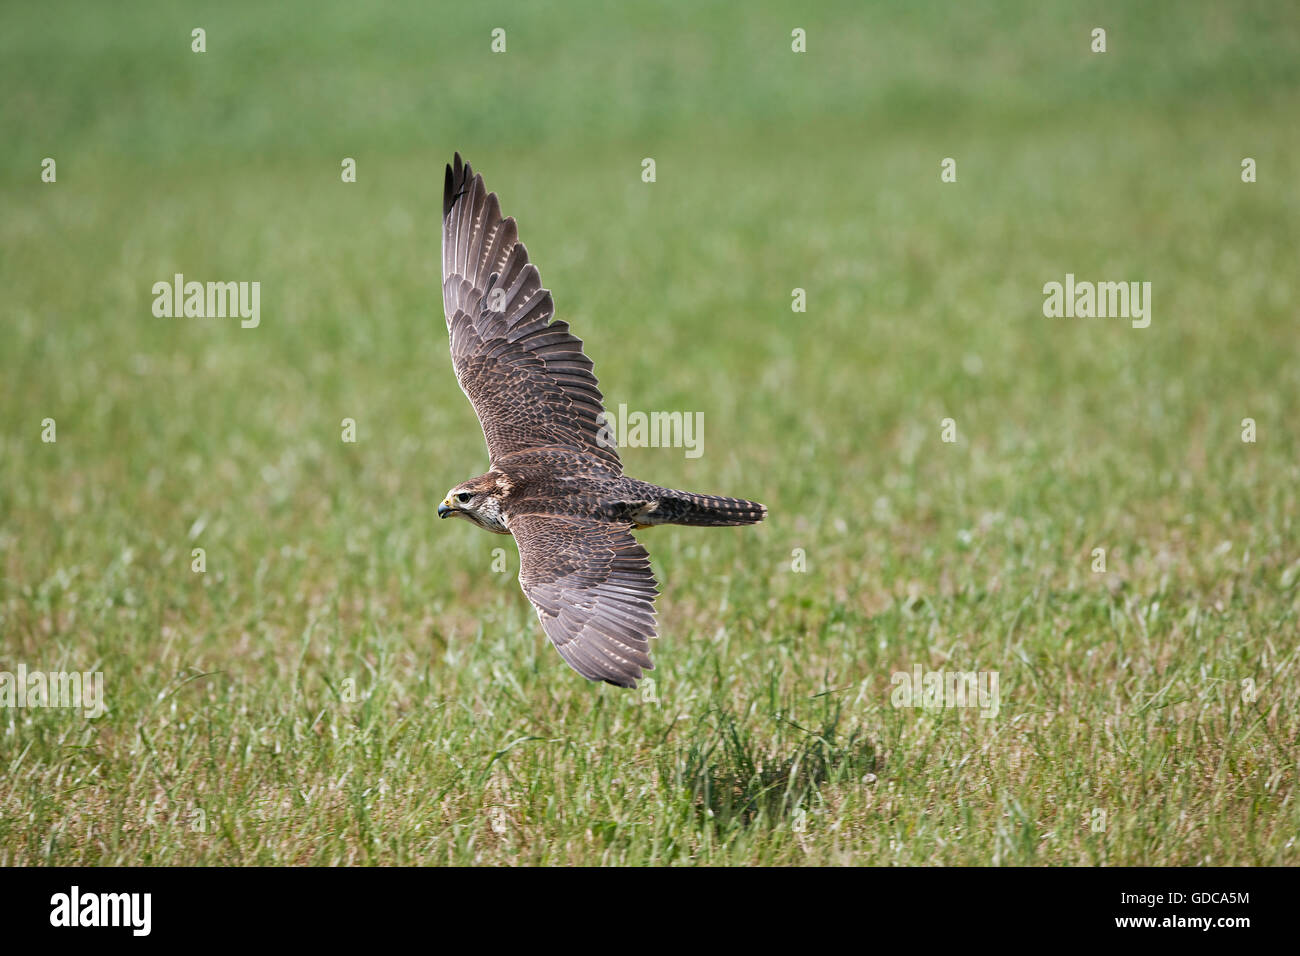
[{"x": 682, "y": 507}]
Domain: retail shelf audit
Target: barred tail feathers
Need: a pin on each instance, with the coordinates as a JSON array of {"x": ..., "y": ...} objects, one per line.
[{"x": 683, "y": 507}]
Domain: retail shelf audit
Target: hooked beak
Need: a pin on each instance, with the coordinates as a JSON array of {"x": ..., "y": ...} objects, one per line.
[{"x": 445, "y": 509}]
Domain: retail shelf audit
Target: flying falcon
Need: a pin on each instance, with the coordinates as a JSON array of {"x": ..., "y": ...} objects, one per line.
[{"x": 556, "y": 482}]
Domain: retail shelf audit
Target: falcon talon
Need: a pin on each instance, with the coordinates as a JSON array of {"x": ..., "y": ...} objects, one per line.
[{"x": 556, "y": 482}]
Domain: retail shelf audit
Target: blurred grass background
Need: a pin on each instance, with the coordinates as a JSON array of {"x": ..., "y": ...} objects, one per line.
[{"x": 773, "y": 739}]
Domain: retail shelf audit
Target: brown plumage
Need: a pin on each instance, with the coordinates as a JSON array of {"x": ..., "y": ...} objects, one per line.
[{"x": 556, "y": 482}]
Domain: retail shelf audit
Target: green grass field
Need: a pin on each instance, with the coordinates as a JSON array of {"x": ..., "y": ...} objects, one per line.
[{"x": 351, "y": 682}]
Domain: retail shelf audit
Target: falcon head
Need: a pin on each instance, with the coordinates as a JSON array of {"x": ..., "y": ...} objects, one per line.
[{"x": 479, "y": 500}]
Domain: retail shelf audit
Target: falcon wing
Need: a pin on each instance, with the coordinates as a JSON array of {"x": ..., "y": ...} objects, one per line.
[
  {"x": 528, "y": 379},
  {"x": 591, "y": 585}
]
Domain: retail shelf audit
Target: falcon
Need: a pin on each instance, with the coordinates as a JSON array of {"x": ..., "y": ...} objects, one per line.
[{"x": 556, "y": 481}]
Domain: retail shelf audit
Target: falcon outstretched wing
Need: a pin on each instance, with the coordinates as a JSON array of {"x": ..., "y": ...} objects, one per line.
[
  {"x": 527, "y": 377},
  {"x": 593, "y": 590}
]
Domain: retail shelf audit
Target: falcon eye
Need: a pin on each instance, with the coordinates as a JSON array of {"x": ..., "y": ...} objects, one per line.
[{"x": 464, "y": 497}]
